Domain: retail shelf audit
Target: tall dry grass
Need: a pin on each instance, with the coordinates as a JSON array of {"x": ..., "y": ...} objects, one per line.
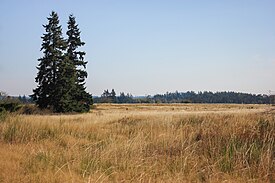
[{"x": 141, "y": 143}]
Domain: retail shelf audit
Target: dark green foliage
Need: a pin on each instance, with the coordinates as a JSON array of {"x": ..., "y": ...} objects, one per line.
[
  {"x": 65, "y": 87},
  {"x": 187, "y": 97},
  {"x": 61, "y": 76},
  {"x": 128, "y": 98},
  {"x": 113, "y": 96},
  {"x": 210, "y": 97},
  {"x": 2, "y": 109},
  {"x": 108, "y": 97},
  {"x": 53, "y": 46},
  {"x": 74, "y": 42},
  {"x": 81, "y": 100},
  {"x": 9, "y": 105}
]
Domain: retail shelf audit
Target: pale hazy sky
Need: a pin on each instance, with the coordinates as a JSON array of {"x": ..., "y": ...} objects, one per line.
[{"x": 148, "y": 46}]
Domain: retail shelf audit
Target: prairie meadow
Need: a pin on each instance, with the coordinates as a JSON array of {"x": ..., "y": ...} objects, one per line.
[{"x": 141, "y": 143}]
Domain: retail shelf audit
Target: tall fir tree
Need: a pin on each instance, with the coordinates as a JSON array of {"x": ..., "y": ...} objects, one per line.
[
  {"x": 53, "y": 46},
  {"x": 61, "y": 71},
  {"x": 82, "y": 99},
  {"x": 65, "y": 87}
]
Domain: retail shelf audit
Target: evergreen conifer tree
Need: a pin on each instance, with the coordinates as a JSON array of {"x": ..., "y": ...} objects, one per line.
[
  {"x": 65, "y": 87},
  {"x": 53, "y": 46},
  {"x": 82, "y": 99},
  {"x": 61, "y": 75}
]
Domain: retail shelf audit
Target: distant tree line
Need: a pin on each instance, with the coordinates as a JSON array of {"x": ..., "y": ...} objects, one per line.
[
  {"x": 110, "y": 97},
  {"x": 210, "y": 97},
  {"x": 186, "y": 97}
]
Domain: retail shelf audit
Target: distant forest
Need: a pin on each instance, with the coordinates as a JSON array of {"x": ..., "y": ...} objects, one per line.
[
  {"x": 172, "y": 97},
  {"x": 186, "y": 97}
]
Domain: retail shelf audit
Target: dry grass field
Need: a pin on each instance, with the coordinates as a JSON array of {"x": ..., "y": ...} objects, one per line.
[{"x": 141, "y": 143}]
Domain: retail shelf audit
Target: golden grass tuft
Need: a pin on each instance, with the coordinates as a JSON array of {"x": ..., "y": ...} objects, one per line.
[{"x": 141, "y": 143}]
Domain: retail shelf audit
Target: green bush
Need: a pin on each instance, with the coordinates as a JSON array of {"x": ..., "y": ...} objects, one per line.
[{"x": 10, "y": 105}]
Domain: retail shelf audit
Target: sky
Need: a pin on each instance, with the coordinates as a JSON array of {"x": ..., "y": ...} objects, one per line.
[{"x": 145, "y": 47}]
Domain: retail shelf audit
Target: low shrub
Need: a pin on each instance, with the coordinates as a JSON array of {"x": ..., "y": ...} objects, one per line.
[{"x": 10, "y": 105}]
